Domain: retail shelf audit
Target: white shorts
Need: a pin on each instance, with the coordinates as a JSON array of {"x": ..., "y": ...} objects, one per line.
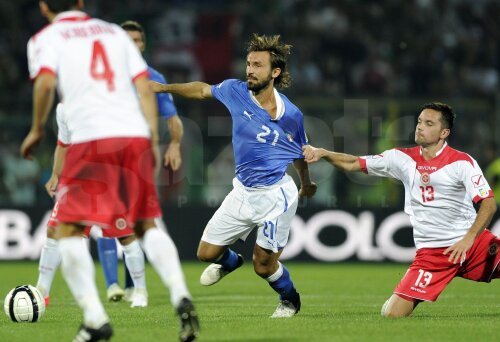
[{"x": 270, "y": 209}]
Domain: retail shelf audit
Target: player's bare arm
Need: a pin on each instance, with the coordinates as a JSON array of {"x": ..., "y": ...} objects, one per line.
[
  {"x": 307, "y": 188},
  {"x": 457, "y": 251},
  {"x": 173, "y": 156},
  {"x": 59, "y": 156},
  {"x": 43, "y": 99},
  {"x": 149, "y": 108},
  {"x": 341, "y": 161},
  {"x": 193, "y": 90}
]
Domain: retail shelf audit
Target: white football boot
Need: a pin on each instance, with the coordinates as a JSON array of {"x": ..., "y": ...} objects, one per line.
[
  {"x": 139, "y": 298},
  {"x": 215, "y": 272}
]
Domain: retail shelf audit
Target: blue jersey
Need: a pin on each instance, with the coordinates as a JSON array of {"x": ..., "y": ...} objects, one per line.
[
  {"x": 166, "y": 105},
  {"x": 263, "y": 148}
]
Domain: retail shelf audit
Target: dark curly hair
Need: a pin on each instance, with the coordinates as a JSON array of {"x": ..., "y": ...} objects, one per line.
[
  {"x": 447, "y": 114},
  {"x": 279, "y": 54}
]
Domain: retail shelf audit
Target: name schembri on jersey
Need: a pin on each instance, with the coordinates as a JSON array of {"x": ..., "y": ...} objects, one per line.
[{"x": 367, "y": 236}]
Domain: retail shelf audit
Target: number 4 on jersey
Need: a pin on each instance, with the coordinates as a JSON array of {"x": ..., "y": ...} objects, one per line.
[{"x": 100, "y": 70}]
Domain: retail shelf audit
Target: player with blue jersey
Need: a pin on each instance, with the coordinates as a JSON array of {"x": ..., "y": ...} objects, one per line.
[
  {"x": 268, "y": 135},
  {"x": 165, "y": 102}
]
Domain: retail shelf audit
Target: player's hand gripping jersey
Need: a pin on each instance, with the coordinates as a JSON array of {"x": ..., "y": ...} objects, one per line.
[{"x": 263, "y": 147}]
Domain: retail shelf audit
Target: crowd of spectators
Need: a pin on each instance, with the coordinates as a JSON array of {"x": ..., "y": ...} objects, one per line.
[{"x": 396, "y": 54}]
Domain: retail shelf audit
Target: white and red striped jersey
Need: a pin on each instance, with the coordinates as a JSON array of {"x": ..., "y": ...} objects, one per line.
[
  {"x": 439, "y": 193},
  {"x": 95, "y": 63}
]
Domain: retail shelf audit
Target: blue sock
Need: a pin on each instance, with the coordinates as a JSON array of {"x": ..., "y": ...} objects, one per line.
[
  {"x": 229, "y": 260},
  {"x": 106, "y": 249},
  {"x": 128, "y": 279},
  {"x": 283, "y": 285}
]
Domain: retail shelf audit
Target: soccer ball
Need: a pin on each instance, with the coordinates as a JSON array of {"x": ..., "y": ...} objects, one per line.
[{"x": 24, "y": 303}]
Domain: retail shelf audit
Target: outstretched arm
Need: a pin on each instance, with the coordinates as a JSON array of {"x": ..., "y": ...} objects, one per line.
[
  {"x": 192, "y": 90},
  {"x": 307, "y": 188},
  {"x": 149, "y": 108},
  {"x": 342, "y": 161},
  {"x": 458, "y": 251}
]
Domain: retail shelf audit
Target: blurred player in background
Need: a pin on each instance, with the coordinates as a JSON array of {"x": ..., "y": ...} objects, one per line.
[
  {"x": 441, "y": 186},
  {"x": 50, "y": 257},
  {"x": 108, "y": 174},
  {"x": 268, "y": 134}
]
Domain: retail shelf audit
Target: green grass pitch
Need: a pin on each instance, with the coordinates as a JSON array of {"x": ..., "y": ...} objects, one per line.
[{"x": 340, "y": 302}]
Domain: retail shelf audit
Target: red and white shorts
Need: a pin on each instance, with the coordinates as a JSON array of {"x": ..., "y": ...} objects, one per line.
[
  {"x": 109, "y": 183},
  {"x": 110, "y": 232},
  {"x": 430, "y": 272}
]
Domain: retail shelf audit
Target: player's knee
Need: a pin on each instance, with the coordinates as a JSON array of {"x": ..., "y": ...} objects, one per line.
[
  {"x": 395, "y": 314},
  {"x": 392, "y": 311},
  {"x": 206, "y": 256},
  {"x": 202, "y": 257},
  {"x": 142, "y": 226},
  {"x": 208, "y": 252},
  {"x": 127, "y": 240},
  {"x": 51, "y": 233}
]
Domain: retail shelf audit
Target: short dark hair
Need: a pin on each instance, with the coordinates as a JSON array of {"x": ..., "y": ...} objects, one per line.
[
  {"x": 279, "y": 54},
  {"x": 447, "y": 114},
  {"x": 58, "y": 6},
  {"x": 131, "y": 25}
]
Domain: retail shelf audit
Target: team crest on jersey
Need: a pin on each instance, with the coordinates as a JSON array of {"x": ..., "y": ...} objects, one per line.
[
  {"x": 493, "y": 249},
  {"x": 121, "y": 223},
  {"x": 289, "y": 136},
  {"x": 483, "y": 192},
  {"x": 425, "y": 178}
]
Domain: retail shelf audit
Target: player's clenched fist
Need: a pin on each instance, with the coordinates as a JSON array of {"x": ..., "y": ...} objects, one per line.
[
  {"x": 311, "y": 153},
  {"x": 308, "y": 190},
  {"x": 30, "y": 142}
]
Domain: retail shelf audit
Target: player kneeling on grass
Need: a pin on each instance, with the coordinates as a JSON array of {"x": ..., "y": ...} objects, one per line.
[
  {"x": 441, "y": 185},
  {"x": 268, "y": 134}
]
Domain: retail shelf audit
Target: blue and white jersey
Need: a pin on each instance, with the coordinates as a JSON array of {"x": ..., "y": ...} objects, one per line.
[
  {"x": 166, "y": 105},
  {"x": 263, "y": 148}
]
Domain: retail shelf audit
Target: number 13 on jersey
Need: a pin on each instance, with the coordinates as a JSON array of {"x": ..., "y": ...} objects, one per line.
[{"x": 100, "y": 70}]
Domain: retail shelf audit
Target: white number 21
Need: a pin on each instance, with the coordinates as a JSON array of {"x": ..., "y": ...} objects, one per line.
[{"x": 260, "y": 136}]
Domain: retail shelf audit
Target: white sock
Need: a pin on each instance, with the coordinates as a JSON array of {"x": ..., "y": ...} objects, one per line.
[
  {"x": 49, "y": 262},
  {"x": 79, "y": 272},
  {"x": 134, "y": 259},
  {"x": 279, "y": 272},
  {"x": 162, "y": 254}
]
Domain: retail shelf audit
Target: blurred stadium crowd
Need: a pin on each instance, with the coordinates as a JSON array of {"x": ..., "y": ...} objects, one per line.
[{"x": 361, "y": 71}]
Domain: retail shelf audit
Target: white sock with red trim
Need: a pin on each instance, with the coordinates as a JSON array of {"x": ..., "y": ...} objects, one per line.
[
  {"x": 134, "y": 258},
  {"x": 162, "y": 254},
  {"x": 47, "y": 267},
  {"x": 79, "y": 272}
]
